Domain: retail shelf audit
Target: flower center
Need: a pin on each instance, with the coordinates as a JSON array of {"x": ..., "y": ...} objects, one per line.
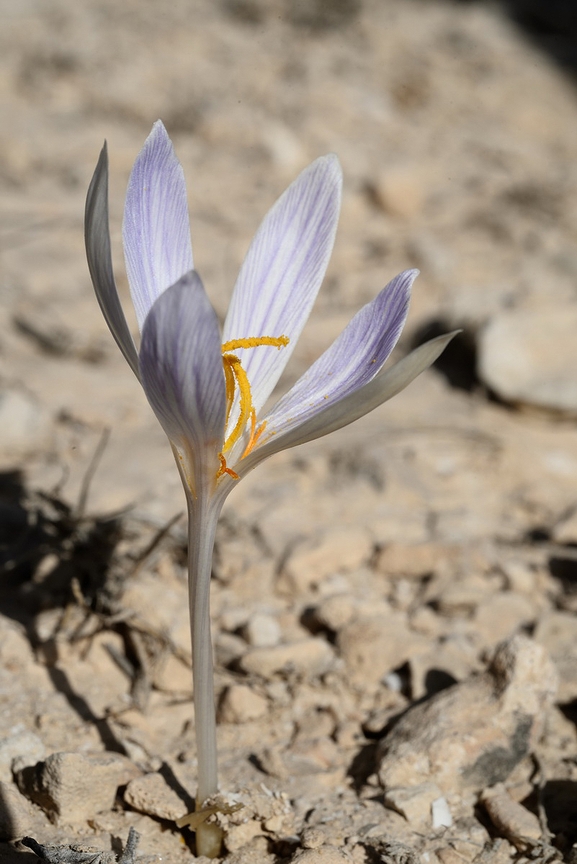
[{"x": 235, "y": 378}]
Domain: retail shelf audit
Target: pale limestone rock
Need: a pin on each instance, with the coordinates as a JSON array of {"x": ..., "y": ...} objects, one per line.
[
  {"x": 308, "y": 657},
  {"x": 510, "y": 818},
  {"x": 441, "y": 813},
  {"x": 455, "y": 657},
  {"x": 529, "y": 356},
  {"x": 312, "y": 756},
  {"x": 557, "y": 632},
  {"x": 233, "y": 618},
  {"x": 262, "y": 631},
  {"x": 414, "y": 802},
  {"x": 15, "y": 650},
  {"x": 521, "y": 577},
  {"x": 312, "y": 838},
  {"x": 262, "y": 812},
  {"x": 272, "y": 763},
  {"x": 314, "y": 723},
  {"x": 238, "y": 836},
  {"x": 62, "y": 332},
  {"x": 399, "y": 191},
  {"x": 392, "y": 851},
  {"x": 228, "y": 647},
  {"x": 25, "y": 425},
  {"x": 255, "y": 852},
  {"x": 371, "y": 647},
  {"x": 274, "y": 824},
  {"x": 335, "y": 552},
  {"x": 348, "y": 735},
  {"x": 566, "y": 530},
  {"x": 239, "y": 704},
  {"x": 406, "y": 523},
  {"x": 152, "y": 795},
  {"x": 424, "y": 620},
  {"x": 321, "y": 855},
  {"x": 444, "y": 742},
  {"x": 415, "y": 560},
  {"x": 238, "y": 558},
  {"x": 279, "y": 692},
  {"x": 335, "y": 611},
  {"x": 18, "y": 817},
  {"x": 285, "y": 149},
  {"x": 373, "y": 607},
  {"x": 173, "y": 676},
  {"x": 430, "y": 255},
  {"x": 19, "y": 750},
  {"x": 162, "y": 604},
  {"x": 464, "y": 595},
  {"x": 501, "y": 615},
  {"x": 404, "y": 593},
  {"x": 72, "y": 787},
  {"x": 448, "y": 855}
]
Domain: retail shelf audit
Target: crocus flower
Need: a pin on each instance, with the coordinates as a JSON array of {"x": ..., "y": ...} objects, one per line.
[{"x": 208, "y": 389}]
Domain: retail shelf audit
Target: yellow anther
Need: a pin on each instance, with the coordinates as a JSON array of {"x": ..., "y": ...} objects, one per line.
[
  {"x": 235, "y": 376},
  {"x": 242, "y": 382},
  {"x": 255, "y": 342}
]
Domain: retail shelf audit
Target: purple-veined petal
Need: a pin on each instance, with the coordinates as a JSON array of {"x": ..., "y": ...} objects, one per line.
[
  {"x": 354, "y": 358},
  {"x": 283, "y": 270},
  {"x": 97, "y": 240},
  {"x": 181, "y": 372},
  {"x": 382, "y": 387},
  {"x": 156, "y": 230}
]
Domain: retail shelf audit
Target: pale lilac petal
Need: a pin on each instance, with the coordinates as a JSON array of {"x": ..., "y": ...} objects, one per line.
[
  {"x": 97, "y": 240},
  {"x": 283, "y": 270},
  {"x": 382, "y": 387},
  {"x": 354, "y": 358},
  {"x": 156, "y": 230},
  {"x": 181, "y": 369}
]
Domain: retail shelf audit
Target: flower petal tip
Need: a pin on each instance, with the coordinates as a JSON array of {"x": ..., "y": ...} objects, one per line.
[
  {"x": 332, "y": 161},
  {"x": 156, "y": 231},
  {"x": 159, "y": 136},
  {"x": 331, "y": 166},
  {"x": 97, "y": 241}
]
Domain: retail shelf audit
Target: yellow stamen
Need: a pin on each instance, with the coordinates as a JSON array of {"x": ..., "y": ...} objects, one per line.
[
  {"x": 229, "y": 381},
  {"x": 235, "y": 376},
  {"x": 254, "y": 433},
  {"x": 255, "y": 342},
  {"x": 242, "y": 382},
  {"x": 224, "y": 469}
]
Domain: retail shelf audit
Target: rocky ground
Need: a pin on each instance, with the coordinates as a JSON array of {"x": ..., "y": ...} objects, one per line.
[{"x": 394, "y": 606}]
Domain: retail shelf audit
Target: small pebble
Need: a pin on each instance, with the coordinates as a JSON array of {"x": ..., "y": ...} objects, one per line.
[
  {"x": 306, "y": 657},
  {"x": 239, "y": 704},
  {"x": 152, "y": 795},
  {"x": 312, "y": 838},
  {"x": 509, "y": 817},
  {"x": 262, "y": 631},
  {"x": 320, "y": 855},
  {"x": 441, "y": 814}
]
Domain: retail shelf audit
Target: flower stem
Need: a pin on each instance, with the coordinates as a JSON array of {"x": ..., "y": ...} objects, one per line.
[{"x": 202, "y": 521}]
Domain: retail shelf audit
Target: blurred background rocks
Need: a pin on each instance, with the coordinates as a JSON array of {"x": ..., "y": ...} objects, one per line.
[{"x": 363, "y": 576}]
